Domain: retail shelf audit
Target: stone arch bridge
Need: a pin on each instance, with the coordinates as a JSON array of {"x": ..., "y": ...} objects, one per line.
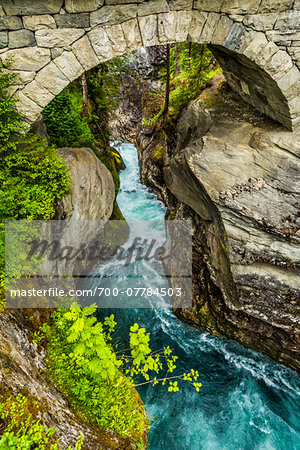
[{"x": 257, "y": 43}]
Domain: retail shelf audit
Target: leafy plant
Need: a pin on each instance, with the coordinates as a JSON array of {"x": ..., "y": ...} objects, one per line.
[
  {"x": 20, "y": 430},
  {"x": 99, "y": 380},
  {"x": 65, "y": 125},
  {"x": 33, "y": 177},
  {"x": 10, "y": 119}
]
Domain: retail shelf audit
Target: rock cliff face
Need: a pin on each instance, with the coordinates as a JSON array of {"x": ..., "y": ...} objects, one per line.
[
  {"x": 137, "y": 86},
  {"x": 236, "y": 175},
  {"x": 92, "y": 191}
]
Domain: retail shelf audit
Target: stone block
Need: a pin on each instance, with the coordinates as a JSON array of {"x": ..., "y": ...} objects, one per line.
[
  {"x": 297, "y": 5},
  {"x": 69, "y": 65},
  {"x": 275, "y": 6},
  {"x": 246, "y": 40},
  {"x": 37, "y": 93},
  {"x": 180, "y": 4},
  {"x": 282, "y": 38},
  {"x": 81, "y": 20},
  {"x": 101, "y": 44},
  {"x": 21, "y": 38},
  {"x": 167, "y": 25},
  {"x": 240, "y": 6},
  {"x": 55, "y": 52},
  {"x": 132, "y": 34},
  {"x": 51, "y": 78},
  {"x": 233, "y": 38},
  {"x": 208, "y": 5},
  {"x": 261, "y": 22},
  {"x": 209, "y": 27},
  {"x": 23, "y": 77},
  {"x": 28, "y": 59},
  {"x": 256, "y": 48},
  {"x": 237, "y": 17},
  {"x": 10, "y": 23},
  {"x": 85, "y": 54},
  {"x": 245, "y": 87},
  {"x": 288, "y": 21},
  {"x": 196, "y": 26},
  {"x": 117, "y": 39},
  {"x": 35, "y": 23},
  {"x": 183, "y": 25},
  {"x": 295, "y": 53},
  {"x": 3, "y": 39},
  {"x": 294, "y": 105},
  {"x": 149, "y": 30},
  {"x": 22, "y": 7},
  {"x": 222, "y": 30},
  {"x": 289, "y": 80},
  {"x": 57, "y": 38},
  {"x": 28, "y": 109},
  {"x": 112, "y": 15},
  {"x": 77, "y": 6},
  {"x": 279, "y": 64},
  {"x": 2, "y": 13},
  {"x": 153, "y": 7}
]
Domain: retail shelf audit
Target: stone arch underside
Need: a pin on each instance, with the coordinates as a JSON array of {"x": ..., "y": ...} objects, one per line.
[{"x": 60, "y": 50}]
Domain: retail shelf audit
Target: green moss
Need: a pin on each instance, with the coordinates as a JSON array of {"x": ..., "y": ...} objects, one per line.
[
  {"x": 117, "y": 213},
  {"x": 114, "y": 163},
  {"x": 158, "y": 153}
]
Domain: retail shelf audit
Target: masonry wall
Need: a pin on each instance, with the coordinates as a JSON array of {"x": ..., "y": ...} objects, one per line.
[{"x": 53, "y": 42}]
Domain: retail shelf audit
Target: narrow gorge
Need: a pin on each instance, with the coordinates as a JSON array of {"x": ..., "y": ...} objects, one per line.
[{"x": 115, "y": 113}]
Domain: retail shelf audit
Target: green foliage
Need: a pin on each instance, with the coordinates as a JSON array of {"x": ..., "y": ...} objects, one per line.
[
  {"x": 65, "y": 125},
  {"x": 191, "y": 67},
  {"x": 196, "y": 65},
  {"x": 112, "y": 161},
  {"x": 158, "y": 153},
  {"x": 33, "y": 177},
  {"x": 99, "y": 380},
  {"x": 20, "y": 430},
  {"x": 83, "y": 363},
  {"x": 32, "y": 180},
  {"x": 10, "y": 121}
]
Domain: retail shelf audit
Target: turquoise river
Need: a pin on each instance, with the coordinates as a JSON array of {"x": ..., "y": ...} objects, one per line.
[{"x": 246, "y": 402}]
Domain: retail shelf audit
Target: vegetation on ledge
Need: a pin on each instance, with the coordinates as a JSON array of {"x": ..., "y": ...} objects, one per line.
[{"x": 33, "y": 176}]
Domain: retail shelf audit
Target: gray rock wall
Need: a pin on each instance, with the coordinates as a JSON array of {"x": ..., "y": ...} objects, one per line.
[
  {"x": 54, "y": 42},
  {"x": 238, "y": 174}
]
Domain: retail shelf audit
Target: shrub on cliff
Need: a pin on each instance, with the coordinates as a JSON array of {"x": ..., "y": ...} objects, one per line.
[
  {"x": 10, "y": 122},
  {"x": 33, "y": 176},
  {"x": 99, "y": 381},
  {"x": 21, "y": 428},
  {"x": 65, "y": 125}
]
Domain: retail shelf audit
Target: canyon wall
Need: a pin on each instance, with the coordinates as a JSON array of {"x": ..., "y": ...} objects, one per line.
[{"x": 235, "y": 174}]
